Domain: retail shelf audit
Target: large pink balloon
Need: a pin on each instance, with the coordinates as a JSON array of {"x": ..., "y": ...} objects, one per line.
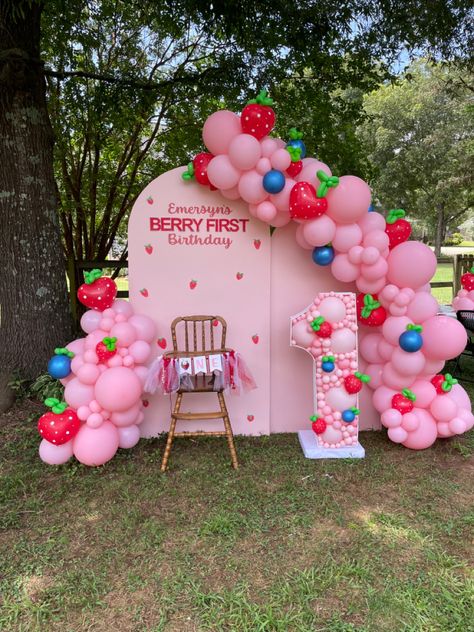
[
  {"x": 129, "y": 436},
  {"x": 346, "y": 237},
  {"x": 55, "y": 454},
  {"x": 78, "y": 394},
  {"x": 394, "y": 379},
  {"x": 245, "y": 151},
  {"x": 422, "y": 307},
  {"x": 443, "y": 338},
  {"x": 117, "y": 389},
  {"x": 144, "y": 326},
  {"x": 219, "y": 130},
  {"x": 142, "y": 373},
  {"x": 222, "y": 173},
  {"x": 407, "y": 363},
  {"x": 90, "y": 320},
  {"x": 266, "y": 211},
  {"x": 96, "y": 446},
  {"x": 349, "y": 201},
  {"x": 251, "y": 187},
  {"x": 382, "y": 398},
  {"x": 368, "y": 347},
  {"x": 125, "y": 334},
  {"x": 411, "y": 264},
  {"x": 424, "y": 391},
  {"x": 319, "y": 231},
  {"x": 426, "y": 433},
  {"x": 343, "y": 269},
  {"x": 140, "y": 351}
]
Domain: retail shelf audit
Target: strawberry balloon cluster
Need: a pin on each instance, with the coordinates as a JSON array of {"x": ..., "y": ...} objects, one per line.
[
  {"x": 464, "y": 299},
  {"x": 103, "y": 392}
]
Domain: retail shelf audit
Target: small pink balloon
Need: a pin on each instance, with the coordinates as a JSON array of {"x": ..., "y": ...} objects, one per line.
[
  {"x": 467, "y": 416},
  {"x": 369, "y": 287},
  {"x": 90, "y": 356},
  {"x": 140, "y": 351},
  {"x": 374, "y": 371},
  {"x": 125, "y": 334},
  {"x": 424, "y": 391},
  {"x": 391, "y": 418},
  {"x": 251, "y": 187},
  {"x": 349, "y": 201},
  {"x": 280, "y": 159},
  {"x": 95, "y": 420},
  {"x": 343, "y": 269},
  {"x": 263, "y": 165},
  {"x": 266, "y": 211},
  {"x": 385, "y": 349},
  {"x": 55, "y": 454},
  {"x": 457, "y": 425},
  {"x": 244, "y": 151},
  {"x": 268, "y": 145},
  {"x": 222, "y": 173},
  {"x": 463, "y": 303},
  {"x": 144, "y": 327},
  {"x": 370, "y": 255},
  {"x": 76, "y": 363},
  {"x": 219, "y": 130},
  {"x": 368, "y": 348},
  {"x": 443, "y": 408},
  {"x": 96, "y": 446},
  {"x": 377, "y": 239},
  {"x": 355, "y": 254},
  {"x": 77, "y": 346},
  {"x": 115, "y": 361},
  {"x": 395, "y": 380},
  {"x": 128, "y": 437},
  {"x": 107, "y": 323},
  {"x": 443, "y": 337},
  {"x": 302, "y": 334},
  {"x": 410, "y": 422},
  {"x": 83, "y": 412},
  {"x": 128, "y": 361},
  {"x": 90, "y": 320},
  {"x": 121, "y": 306},
  {"x": 126, "y": 417},
  {"x": 95, "y": 337},
  {"x": 281, "y": 219},
  {"x": 411, "y": 264},
  {"x": 408, "y": 363},
  {"x": 88, "y": 373},
  {"x": 78, "y": 394},
  {"x": 300, "y": 240},
  {"x": 231, "y": 194},
  {"x": 443, "y": 430},
  {"x": 282, "y": 200},
  {"x": 382, "y": 398},
  {"x": 118, "y": 389},
  {"x": 371, "y": 221},
  {"x": 95, "y": 406},
  {"x": 459, "y": 395},
  {"x": 319, "y": 231},
  {"x": 346, "y": 236},
  {"x": 375, "y": 271},
  {"x": 121, "y": 318},
  {"x": 426, "y": 433},
  {"x": 397, "y": 435}
]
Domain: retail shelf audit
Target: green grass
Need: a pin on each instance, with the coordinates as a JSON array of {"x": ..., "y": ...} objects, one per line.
[{"x": 283, "y": 544}]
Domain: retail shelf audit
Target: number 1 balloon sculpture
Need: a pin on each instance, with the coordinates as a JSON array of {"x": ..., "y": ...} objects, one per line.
[{"x": 403, "y": 341}]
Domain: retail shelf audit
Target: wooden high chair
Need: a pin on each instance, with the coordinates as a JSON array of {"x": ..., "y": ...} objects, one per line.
[{"x": 198, "y": 343}]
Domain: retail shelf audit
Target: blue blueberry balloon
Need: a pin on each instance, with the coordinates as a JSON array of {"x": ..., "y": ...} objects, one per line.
[
  {"x": 273, "y": 181},
  {"x": 300, "y": 144},
  {"x": 323, "y": 255},
  {"x": 371, "y": 208},
  {"x": 348, "y": 416},
  {"x": 327, "y": 366},
  {"x": 59, "y": 366},
  {"x": 411, "y": 340}
]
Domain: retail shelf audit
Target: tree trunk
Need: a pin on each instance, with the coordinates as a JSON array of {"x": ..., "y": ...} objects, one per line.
[
  {"x": 35, "y": 314},
  {"x": 440, "y": 230}
]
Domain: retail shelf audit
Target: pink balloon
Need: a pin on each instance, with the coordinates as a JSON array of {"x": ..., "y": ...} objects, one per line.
[
  {"x": 114, "y": 361},
  {"x": 397, "y": 435},
  {"x": 355, "y": 254},
  {"x": 443, "y": 408},
  {"x": 374, "y": 371},
  {"x": 411, "y": 264},
  {"x": 88, "y": 373},
  {"x": 90, "y": 356},
  {"x": 319, "y": 231},
  {"x": 140, "y": 351},
  {"x": 369, "y": 255},
  {"x": 463, "y": 303},
  {"x": 244, "y": 151},
  {"x": 374, "y": 271},
  {"x": 443, "y": 337},
  {"x": 282, "y": 200},
  {"x": 76, "y": 363},
  {"x": 77, "y": 346},
  {"x": 280, "y": 159},
  {"x": 78, "y": 394},
  {"x": 55, "y": 454},
  {"x": 425, "y": 434},
  {"x": 121, "y": 306},
  {"x": 219, "y": 130},
  {"x": 424, "y": 391},
  {"x": 263, "y": 165},
  {"x": 125, "y": 334},
  {"x": 302, "y": 334},
  {"x": 385, "y": 349},
  {"x": 117, "y": 389},
  {"x": 95, "y": 337},
  {"x": 391, "y": 418},
  {"x": 349, "y": 201},
  {"x": 343, "y": 340},
  {"x": 83, "y": 412},
  {"x": 300, "y": 240},
  {"x": 281, "y": 219},
  {"x": 432, "y": 367},
  {"x": 422, "y": 307},
  {"x": 333, "y": 309},
  {"x": 467, "y": 416},
  {"x": 410, "y": 422},
  {"x": 310, "y": 167},
  {"x": 369, "y": 287},
  {"x": 95, "y": 420},
  {"x": 96, "y": 446},
  {"x": 394, "y": 327},
  {"x": 266, "y": 211},
  {"x": 459, "y": 395},
  {"x": 145, "y": 328},
  {"x": 65, "y": 380},
  {"x": 382, "y": 398},
  {"x": 376, "y": 239},
  {"x": 368, "y": 348},
  {"x": 269, "y": 145},
  {"x": 222, "y": 173},
  {"x": 90, "y": 320},
  {"x": 231, "y": 194},
  {"x": 394, "y": 379},
  {"x": 457, "y": 425},
  {"x": 339, "y": 399},
  {"x": 251, "y": 187},
  {"x": 142, "y": 373},
  {"x": 346, "y": 236},
  {"x": 126, "y": 417},
  {"x": 408, "y": 363},
  {"x": 129, "y": 436},
  {"x": 343, "y": 269},
  {"x": 372, "y": 221}
]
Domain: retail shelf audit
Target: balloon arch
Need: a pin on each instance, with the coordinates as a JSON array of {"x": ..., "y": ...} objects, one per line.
[{"x": 403, "y": 339}]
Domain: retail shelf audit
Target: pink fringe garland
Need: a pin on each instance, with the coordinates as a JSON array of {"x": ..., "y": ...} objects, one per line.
[{"x": 235, "y": 376}]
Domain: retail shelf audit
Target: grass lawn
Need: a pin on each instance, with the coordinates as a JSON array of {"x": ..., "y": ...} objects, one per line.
[{"x": 283, "y": 544}]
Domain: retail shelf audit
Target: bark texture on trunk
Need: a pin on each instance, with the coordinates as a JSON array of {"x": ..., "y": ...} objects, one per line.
[
  {"x": 440, "y": 231},
  {"x": 34, "y": 310}
]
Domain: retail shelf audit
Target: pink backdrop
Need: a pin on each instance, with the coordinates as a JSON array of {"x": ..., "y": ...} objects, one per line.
[{"x": 256, "y": 282}]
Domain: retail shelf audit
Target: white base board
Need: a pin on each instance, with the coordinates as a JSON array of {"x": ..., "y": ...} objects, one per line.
[{"x": 312, "y": 450}]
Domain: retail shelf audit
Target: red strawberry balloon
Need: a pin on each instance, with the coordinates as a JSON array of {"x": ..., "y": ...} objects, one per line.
[
  {"x": 60, "y": 425},
  {"x": 306, "y": 202},
  {"x": 443, "y": 383},
  {"x": 106, "y": 349},
  {"x": 353, "y": 383},
  {"x": 397, "y": 228},
  {"x": 403, "y": 402},
  {"x": 258, "y": 118},
  {"x": 321, "y": 327},
  {"x": 197, "y": 169},
  {"x": 97, "y": 292},
  {"x": 369, "y": 311},
  {"x": 467, "y": 280},
  {"x": 295, "y": 168},
  {"x": 318, "y": 425}
]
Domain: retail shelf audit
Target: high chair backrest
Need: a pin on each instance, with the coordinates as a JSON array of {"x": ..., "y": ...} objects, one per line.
[{"x": 198, "y": 335}]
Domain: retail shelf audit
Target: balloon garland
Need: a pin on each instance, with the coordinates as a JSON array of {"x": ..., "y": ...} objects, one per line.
[
  {"x": 103, "y": 375},
  {"x": 404, "y": 342},
  {"x": 464, "y": 299}
]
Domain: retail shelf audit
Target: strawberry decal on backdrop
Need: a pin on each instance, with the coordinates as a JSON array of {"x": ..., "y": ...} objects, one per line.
[
  {"x": 60, "y": 425},
  {"x": 97, "y": 292},
  {"x": 397, "y": 228},
  {"x": 306, "y": 202},
  {"x": 258, "y": 118},
  {"x": 369, "y": 311},
  {"x": 197, "y": 169}
]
